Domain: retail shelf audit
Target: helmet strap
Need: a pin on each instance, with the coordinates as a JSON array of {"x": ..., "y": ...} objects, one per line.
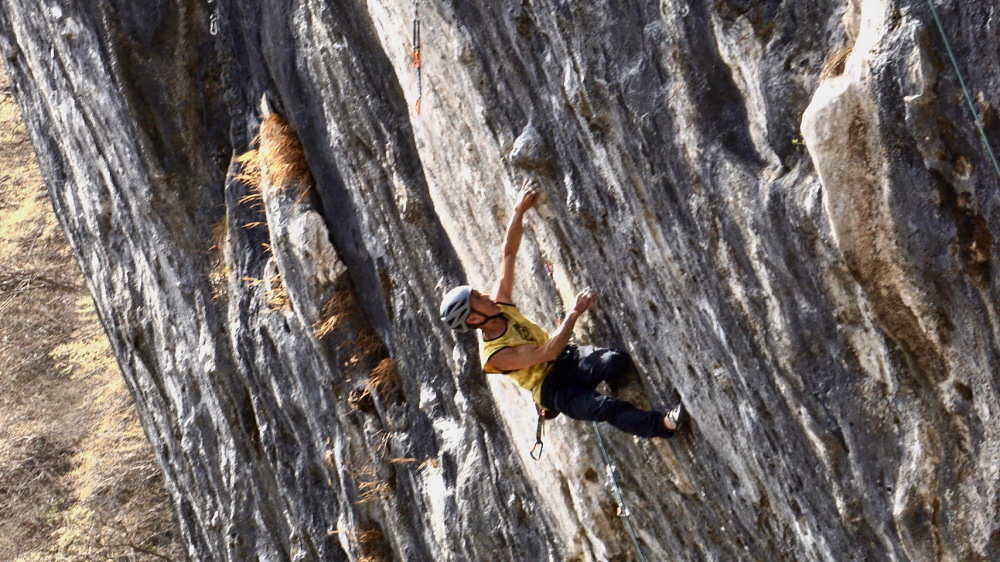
[{"x": 485, "y": 320}]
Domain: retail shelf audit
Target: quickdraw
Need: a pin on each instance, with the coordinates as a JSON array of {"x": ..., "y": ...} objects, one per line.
[
  {"x": 543, "y": 414},
  {"x": 539, "y": 446},
  {"x": 415, "y": 54},
  {"x": 213, "y": 19}
]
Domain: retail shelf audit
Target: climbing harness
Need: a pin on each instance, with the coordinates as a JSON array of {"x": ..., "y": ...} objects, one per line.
[
  {"x": 961, "y": 81},
  {"x": 623, "y": 510},
  {"x": 415, "y": 54},
  {"x": 609, "y": 467}
]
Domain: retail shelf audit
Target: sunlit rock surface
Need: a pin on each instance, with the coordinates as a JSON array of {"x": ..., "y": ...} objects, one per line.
[{"x": 808, "y": 263}]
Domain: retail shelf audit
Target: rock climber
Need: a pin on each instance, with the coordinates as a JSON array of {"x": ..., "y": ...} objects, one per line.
[{"x": 560, "y": 376}]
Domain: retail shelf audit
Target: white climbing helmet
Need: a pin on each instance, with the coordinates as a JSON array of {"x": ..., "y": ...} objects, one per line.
[{"x": 455, "y": 308}]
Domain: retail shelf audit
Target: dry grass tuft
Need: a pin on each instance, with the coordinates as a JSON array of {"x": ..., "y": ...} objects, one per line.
[
  {"x": 365, "y": 346},
  {"x": 281, "y": 155},
  {"x": 218, "y": 276},
  {"x": 375, "y": 490},
  {"x": 370, "y": 486},
  {"x": 277, "y": 295},
  {"x": 370, "y": 540},
  {"x": 334, "y": 313},
  {"x": 249, "y": 174},
  {"x": 384, "y": 378},
  {"x": 433, "y": 463},
  {"x": 835, "y": 66},
  {"x": 368, "y": 345},
  {"x": 361, "y": 399},
  {"x": 278, "y": 159},
  {"x": 251, "y": 281},
  {"x": 382, "y": 440}
]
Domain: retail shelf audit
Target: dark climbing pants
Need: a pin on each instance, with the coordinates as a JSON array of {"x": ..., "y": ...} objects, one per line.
[{"x": 570, "y": 389}]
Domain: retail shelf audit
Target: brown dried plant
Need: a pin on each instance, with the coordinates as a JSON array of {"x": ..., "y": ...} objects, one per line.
[
  {"x": 375, "y": 490},
  {"x": 277, "y": 295},
  {"x": 372, "y": 543},
  {"x": 382, "y": 439},
  {"x": 361, "y": 399},
  {"x": 333, "y": 314},
  {"x": 434, "y": 463},
  {"x": 384, "y": 378},
  {"x": 835, "y": 65},
  {"x": 370, "y": 540},
  {"x": 368, "y": 345},
  {"x": 249, "y": 174},
  {"x": 278, "y": 156},
  {"x": 281, "y": 155},
  {"x": 218, "y": 276},
  {"x": 251, "y": 281},
  {"x": 370, "y": 486}
]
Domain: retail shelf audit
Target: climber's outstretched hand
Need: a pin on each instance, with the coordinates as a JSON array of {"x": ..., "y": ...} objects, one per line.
[
  {"x": 528, "y": 195},
  {"x": 584, "y": 299}
]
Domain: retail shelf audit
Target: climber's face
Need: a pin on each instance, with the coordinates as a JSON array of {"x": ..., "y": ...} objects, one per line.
[{"x": 482, "y": 308}]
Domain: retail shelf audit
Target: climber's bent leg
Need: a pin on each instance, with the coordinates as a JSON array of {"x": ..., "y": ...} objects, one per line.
[
  {"x": 579, "y": 402},
  {"x": 591, "y": 365}
]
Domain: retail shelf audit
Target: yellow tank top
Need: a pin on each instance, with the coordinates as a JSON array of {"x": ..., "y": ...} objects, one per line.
[{"x": 520, "y": 331}]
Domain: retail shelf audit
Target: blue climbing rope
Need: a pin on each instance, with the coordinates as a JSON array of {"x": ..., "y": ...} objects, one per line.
[
  {"x": 609, "y": 468},
  {"x": 961, "y": 80},
  {"x": 623, "y": 510}
]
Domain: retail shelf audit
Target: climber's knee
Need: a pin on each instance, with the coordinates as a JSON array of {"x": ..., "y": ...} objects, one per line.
[
  {"x": 608, "y": 408},
  {"x": 618, "y": 362}
]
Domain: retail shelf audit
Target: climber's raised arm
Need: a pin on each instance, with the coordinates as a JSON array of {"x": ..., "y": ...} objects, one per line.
[{"x": 512, "y": 240}]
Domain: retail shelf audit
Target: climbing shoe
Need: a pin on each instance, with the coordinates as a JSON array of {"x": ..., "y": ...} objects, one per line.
[{"x": 678, "y": 416}]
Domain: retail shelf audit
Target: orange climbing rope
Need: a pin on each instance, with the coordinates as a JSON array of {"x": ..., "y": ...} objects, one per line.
[{"x": 415, "y": 53}]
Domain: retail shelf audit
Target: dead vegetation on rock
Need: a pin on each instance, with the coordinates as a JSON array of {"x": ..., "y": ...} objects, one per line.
[
  {"x": 277, "y": 161},
  {"x": 835, "y": 64}
]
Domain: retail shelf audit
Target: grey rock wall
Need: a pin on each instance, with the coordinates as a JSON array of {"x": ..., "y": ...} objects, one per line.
[{"x": 806, "y": 262}]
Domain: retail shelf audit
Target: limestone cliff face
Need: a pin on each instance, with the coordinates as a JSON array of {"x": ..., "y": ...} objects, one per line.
[{"x": 807, "y": 263}]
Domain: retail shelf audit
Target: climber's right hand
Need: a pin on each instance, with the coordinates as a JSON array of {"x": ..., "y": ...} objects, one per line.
[
  {"x": 584, "y": 299},
  {"x": 527, "y": 196}
]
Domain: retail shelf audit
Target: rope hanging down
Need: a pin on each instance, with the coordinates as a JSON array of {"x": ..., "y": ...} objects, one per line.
[
  {"x": 415, "y": 54},
  {"x": 623, "y": 510},
  {"x": 961, "y": 81}
]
